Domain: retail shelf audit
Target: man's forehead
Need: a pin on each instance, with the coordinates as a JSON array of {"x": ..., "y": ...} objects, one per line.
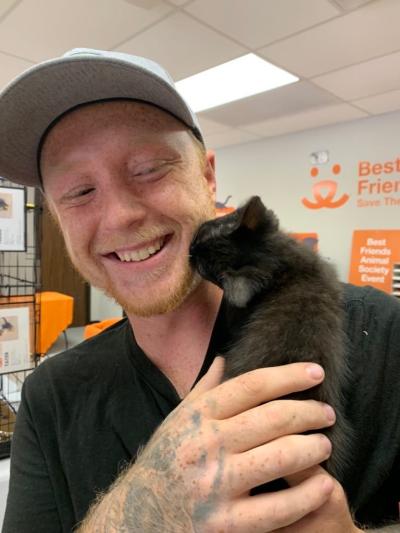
[
  {"x": 93, "y": 117},
  {"x": 101, "y": 125},
  {"x": 125, "y": 111}
]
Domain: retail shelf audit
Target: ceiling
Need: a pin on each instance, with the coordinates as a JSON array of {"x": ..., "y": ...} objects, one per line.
[{"x": 345, "y": 52}]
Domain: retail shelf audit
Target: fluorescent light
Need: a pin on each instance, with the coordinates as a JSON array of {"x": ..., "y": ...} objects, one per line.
[{"x": 236, "y": 79}]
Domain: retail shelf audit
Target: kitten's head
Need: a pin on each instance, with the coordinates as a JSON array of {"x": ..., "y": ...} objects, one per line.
[{"x": 228, "y": 250}]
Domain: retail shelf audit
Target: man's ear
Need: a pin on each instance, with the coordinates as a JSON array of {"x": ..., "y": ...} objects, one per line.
[{"x": 209, "y": 172}]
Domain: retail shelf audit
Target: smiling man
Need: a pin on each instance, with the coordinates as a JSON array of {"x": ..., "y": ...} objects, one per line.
[
  {"x": 128, "y": 185},
  {"x": 132, "y": 430}
]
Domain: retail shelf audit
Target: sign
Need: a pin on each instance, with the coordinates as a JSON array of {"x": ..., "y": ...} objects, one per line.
[
  {"x": 375, "y": 259},
  {"x": 12, "y": 219}
]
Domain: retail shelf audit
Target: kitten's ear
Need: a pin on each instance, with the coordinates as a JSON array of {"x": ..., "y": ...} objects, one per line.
[{"x": 254, "y": 215}]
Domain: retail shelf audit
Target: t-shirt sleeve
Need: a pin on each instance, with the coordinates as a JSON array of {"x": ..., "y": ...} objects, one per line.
[{"x": 31, "y": 504}]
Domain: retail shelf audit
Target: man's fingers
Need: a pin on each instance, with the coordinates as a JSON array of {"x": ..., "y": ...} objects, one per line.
[
  {"x": 259, "y": 386},
  {"x": 298, "y": 477},
  {"x": 210, "y": 380},
  {"x": 333, "y": 516},
  {"x": 273, "y": 420},
  {"x": 279, "y": 458},
  {"x": 269, "y": 512}
]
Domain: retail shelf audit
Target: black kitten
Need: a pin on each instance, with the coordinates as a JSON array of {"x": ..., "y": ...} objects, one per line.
[{"x": 287, "y": 304}]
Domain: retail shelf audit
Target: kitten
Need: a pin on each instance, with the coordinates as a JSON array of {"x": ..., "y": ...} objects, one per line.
[{"x": 286, "y": 302}]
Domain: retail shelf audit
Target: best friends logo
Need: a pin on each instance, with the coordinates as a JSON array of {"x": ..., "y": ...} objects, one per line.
[
  {"x": 375, "y": 184},
  {"x": 325, "y": 192}
]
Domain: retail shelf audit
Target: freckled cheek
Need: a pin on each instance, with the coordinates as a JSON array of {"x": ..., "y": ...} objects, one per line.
[{"x": 78, "y": 236}]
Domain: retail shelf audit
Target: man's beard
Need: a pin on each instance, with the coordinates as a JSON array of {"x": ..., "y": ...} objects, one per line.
[
  {"x": 160, "y": 305},
  {"x": 173, "y": 296}
]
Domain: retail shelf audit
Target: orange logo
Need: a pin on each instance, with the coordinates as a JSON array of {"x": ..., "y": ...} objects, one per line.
[
  {"x": 324, "y": 192},
  {"x": 222, "y": 208}
]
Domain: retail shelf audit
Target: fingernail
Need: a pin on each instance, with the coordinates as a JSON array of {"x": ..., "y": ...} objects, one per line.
[
  {"x": 315, "y": 371},
  {"x": 330, "y": 413}
]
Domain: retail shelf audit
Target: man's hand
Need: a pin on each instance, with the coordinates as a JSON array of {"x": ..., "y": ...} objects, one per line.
[
  {"x": 332, "y": 517},
  {"x": 196, "y": 472}
]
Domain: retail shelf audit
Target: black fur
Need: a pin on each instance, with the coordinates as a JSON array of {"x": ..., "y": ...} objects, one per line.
[{"x": 287, "y": 302}]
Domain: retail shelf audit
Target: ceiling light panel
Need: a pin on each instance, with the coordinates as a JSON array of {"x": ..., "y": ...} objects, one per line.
[{"x": 244, "y": 76}]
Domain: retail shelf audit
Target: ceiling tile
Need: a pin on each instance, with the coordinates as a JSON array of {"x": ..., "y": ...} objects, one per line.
[
  {"x": 6, "y": 6},
  {"x": 256, "y": 23},
  {"x": 72, "y": 24},
  {"x": 229, "y": 138},
  {"x": 209, "y": 127},
  {"x": 289, "y": 99},
  {"x": 183, "y": 46},
  {"x": 179, "y": 2},
  {"x": 381, "y": 103},
  {"x": 358, "y": 36},
  {"x": 305, "y": 120},
  {"x": 352, "y": 4},
  {"x": 10, "y": 68},
  {"x": 366, "y": 79}
]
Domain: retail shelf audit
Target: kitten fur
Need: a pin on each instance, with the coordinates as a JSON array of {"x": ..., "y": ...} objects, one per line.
[{"x": 286, "y": 305}]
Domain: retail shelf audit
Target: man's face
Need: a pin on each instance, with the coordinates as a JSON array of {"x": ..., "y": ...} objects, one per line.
[{"x": 129, "y": 188}]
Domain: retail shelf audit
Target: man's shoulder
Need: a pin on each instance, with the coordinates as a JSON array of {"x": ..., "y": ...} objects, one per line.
[
  {"x": 368, "y": 302},
  {"x": 86, "y": 362}
]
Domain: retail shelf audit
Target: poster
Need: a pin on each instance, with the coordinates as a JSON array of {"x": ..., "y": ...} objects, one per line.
[
  {"x": 14, "y": 339},
  {"x": 375, "y": 260},
  {"x": 12, "y": 219}
]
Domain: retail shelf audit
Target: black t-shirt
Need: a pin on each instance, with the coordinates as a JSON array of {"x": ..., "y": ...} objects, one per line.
[{"x": 85, "y": 413}]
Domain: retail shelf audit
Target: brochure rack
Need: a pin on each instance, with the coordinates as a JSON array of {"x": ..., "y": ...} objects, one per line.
[{"x": 19, "y": 309}]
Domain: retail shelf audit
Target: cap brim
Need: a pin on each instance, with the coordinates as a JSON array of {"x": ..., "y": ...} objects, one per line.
[{"x": 41, "y": 94}]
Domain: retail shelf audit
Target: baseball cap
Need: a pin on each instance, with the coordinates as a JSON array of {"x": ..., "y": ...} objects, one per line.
[{"x": 41, "y": 94}]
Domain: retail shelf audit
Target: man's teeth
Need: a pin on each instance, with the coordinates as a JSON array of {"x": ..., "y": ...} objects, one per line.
[{"x": 140, "y": 255}]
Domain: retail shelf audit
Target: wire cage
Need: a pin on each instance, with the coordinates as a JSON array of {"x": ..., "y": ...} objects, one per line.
[{"x": 19, "y": 306}]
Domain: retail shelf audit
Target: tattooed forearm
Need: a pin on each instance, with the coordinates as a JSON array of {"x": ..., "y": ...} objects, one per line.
[
  {"x": 152, "y": 496},
  {"x": 136, "y": 505}
]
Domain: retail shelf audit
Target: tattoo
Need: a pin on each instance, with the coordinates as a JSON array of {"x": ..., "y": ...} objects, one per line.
[
  {"x": 151, "y": 511},
  {"x": 153, "y": 495},
  {"x": 203, "y": 510}
]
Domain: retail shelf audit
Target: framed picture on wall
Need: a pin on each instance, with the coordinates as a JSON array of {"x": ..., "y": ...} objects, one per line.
[
  {"x": 12, "y": 219},
  {"x": 15, "y": 338}
]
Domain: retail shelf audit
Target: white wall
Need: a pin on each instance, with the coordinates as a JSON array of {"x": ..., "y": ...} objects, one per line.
[
  {"x": 102, "y": 307},
  {"x": 278, "y": 169}
]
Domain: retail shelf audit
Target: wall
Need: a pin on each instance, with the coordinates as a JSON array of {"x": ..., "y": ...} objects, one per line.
[
  {"x": 101, "y": 306},
  {"x": 278, "y": 169}
]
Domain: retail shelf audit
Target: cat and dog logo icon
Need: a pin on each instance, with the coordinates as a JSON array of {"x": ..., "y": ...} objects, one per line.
[
  {"x": 324, "y": 194},
  {"x": 324, "y": 191}
]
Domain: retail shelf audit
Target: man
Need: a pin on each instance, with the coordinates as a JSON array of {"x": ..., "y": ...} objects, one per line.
[{"x": 137, "y": 415}]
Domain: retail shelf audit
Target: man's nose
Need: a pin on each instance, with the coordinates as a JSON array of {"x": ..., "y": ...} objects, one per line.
[{"x": 121, "y": 208}]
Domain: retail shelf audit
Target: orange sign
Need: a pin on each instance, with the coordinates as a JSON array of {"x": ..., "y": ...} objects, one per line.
[
  {"x": 324, "y": 192},
  {"x": 309, "y": 239},
  {"x": 222, "y": 208},
  {"x": 375, "y": 259}
]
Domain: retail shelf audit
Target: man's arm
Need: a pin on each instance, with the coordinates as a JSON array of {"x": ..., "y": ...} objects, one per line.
[{"x": 196, "y": 472}]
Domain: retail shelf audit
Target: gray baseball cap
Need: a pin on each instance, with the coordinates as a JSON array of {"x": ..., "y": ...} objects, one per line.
[{"x": 36, "y": 98}]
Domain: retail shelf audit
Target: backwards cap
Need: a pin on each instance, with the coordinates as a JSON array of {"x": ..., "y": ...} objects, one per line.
[{"x": 36, "y": 98}]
